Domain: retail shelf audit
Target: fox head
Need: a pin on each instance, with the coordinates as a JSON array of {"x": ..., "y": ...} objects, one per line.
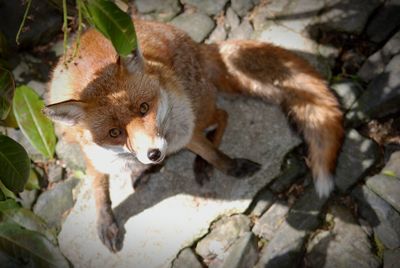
[{"x": 126, "y": 109}]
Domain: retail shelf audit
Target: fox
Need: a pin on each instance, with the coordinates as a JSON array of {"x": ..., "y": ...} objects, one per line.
[{"x": 129, "y": 113}]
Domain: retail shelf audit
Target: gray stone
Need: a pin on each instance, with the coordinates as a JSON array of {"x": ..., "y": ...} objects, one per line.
[
  {"x": 392, "y": 167},
  {"x": 357, "y": 156},
  {"x": 377, "y": 62},
  {"x": 262, "y": 202},
  {"x": 387, "y": 187},
  {"x": 55, "y": 173},
  {"x": 39, "y": 87},
  {"x": 28, "y": 198},
  {"x": 285, "y": 248},
  {"x": 346, "y": 245},
  {"x": 382, "y": 96},
  {"x": 203, "y": 25},
  {"x": 292, "y": 170},
  {"x": 218, "y": 34},
  {"x": 52, "y": 204},
  {"x": 186, "y": 258},
  {"x": 71, "y": 154},
  {"x": 241, "y": 6},
  {"x": 232, "y": 20},
  {"x": 348, "y": 92},
  {"x": 224, "y": 233},
  {"x": 384, "y": 220},
  {"x": 270, "y": 221},
  {"x": 210, "y": 7},
  {"x": 162, "y": 10},
  {"x": 243, "y": 253},
  {"x": 265, "y": 13},
  {"x": 243, "y": 31},
  {"x": 347, "y": 16},
  {"x": 391, "y": 258},
  {"x": 384, "y": 21}
]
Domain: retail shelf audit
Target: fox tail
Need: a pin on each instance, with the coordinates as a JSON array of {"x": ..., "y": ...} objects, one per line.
[{"x": 277, "y": 75}]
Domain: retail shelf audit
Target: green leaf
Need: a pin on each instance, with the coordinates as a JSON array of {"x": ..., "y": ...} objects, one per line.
[
  {"x": 37, "y": 128},
  {"x": 14, "y": 164},
  {"x": 10, "y": 121},
  {"x": 8, "y": 204},
  {"x": 27, "y": 219},
  {"x": 114, "y": 24},
  {"x": 389, "y": 173},
  {"x": 33, "y": 181},
  {"x": 30, "y": 246},
  {"x": 3, "y": 45},
  {"x": 7, "y": 89}
]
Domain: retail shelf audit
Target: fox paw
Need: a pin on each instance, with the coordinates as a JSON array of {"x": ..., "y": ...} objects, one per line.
[
  {"x": 202, "y": 170},
  {"x": 109, "y": 233},
  {"x": 243, "y": 168}
]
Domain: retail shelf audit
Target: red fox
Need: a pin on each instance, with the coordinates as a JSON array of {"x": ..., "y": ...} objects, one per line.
[{"x": 130, "y": 113}]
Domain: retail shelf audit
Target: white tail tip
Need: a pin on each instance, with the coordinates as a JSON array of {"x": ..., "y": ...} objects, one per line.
[{"x": 324, "y": 185}]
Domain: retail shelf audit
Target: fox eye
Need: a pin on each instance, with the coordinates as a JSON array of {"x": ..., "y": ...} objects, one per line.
[
  {"x": 144, "y": 108},
  {"x": 114, "y": 132}
]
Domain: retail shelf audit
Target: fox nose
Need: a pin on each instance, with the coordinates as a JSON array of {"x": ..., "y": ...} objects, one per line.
[{"x": 154, "y": 154}]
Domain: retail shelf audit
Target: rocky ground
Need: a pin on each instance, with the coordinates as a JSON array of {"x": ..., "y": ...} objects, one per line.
[{"x": 273, "y": 219}]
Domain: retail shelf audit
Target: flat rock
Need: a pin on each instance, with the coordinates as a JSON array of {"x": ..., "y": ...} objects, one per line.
[
  {"x": 232, "y": 20},
  {"x": 292, "y": 170},
  {"x": 387, "y": 187},
  {"x": 243, "y": 253},
  {"x": 71, "y": 154},
  {"x": 382, "y": 96},
  {"x": 263, "y": 14},
  {"x": 210, "y": 7},
  {"x": 172, "y": 212},
  {"x": 186, "y": 258},
  {"x": 270, "y": 221},
  {"x": 384, "y": 220},
  {"x": 186, "y": 21},
  {"x": 377, "y": 62},
  {"x": 215, "y": 245},
  {"x": 241, "y": 7},
  {"x": 391, "y": 258},
  {"x": 243, "y": 31},
  {"x": 161, "y": 10},
  {"x": 261, "y": 203},
  {"x": 346, "y": 245},
  {"x": 347, "y": 16},
  {"x": 357, "y": 156},
  {"x": 384, "y": 21},
  {"x": 392, "y": 167},
  {"x": 55, "y": 173},
  {"x": 285, "y": 248},
  {"x": 348, "y": 92},
  {"x": 218, "y": 34},
  {"x": 52, "y": 204}
]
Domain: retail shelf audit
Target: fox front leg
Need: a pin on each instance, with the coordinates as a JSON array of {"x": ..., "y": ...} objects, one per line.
[{"x": 107, "y": 227}]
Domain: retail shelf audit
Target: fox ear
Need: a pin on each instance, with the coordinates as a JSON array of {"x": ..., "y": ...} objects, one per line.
[
  {"x": 133, "y": 62},
  {"x": 66, "y": 112}
]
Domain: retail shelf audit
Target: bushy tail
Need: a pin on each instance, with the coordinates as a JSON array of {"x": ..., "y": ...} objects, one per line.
[{"x": 277, "y": 75}]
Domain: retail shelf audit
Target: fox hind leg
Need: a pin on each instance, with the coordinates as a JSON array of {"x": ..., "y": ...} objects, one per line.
[{"x": 202, "y": 169}]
